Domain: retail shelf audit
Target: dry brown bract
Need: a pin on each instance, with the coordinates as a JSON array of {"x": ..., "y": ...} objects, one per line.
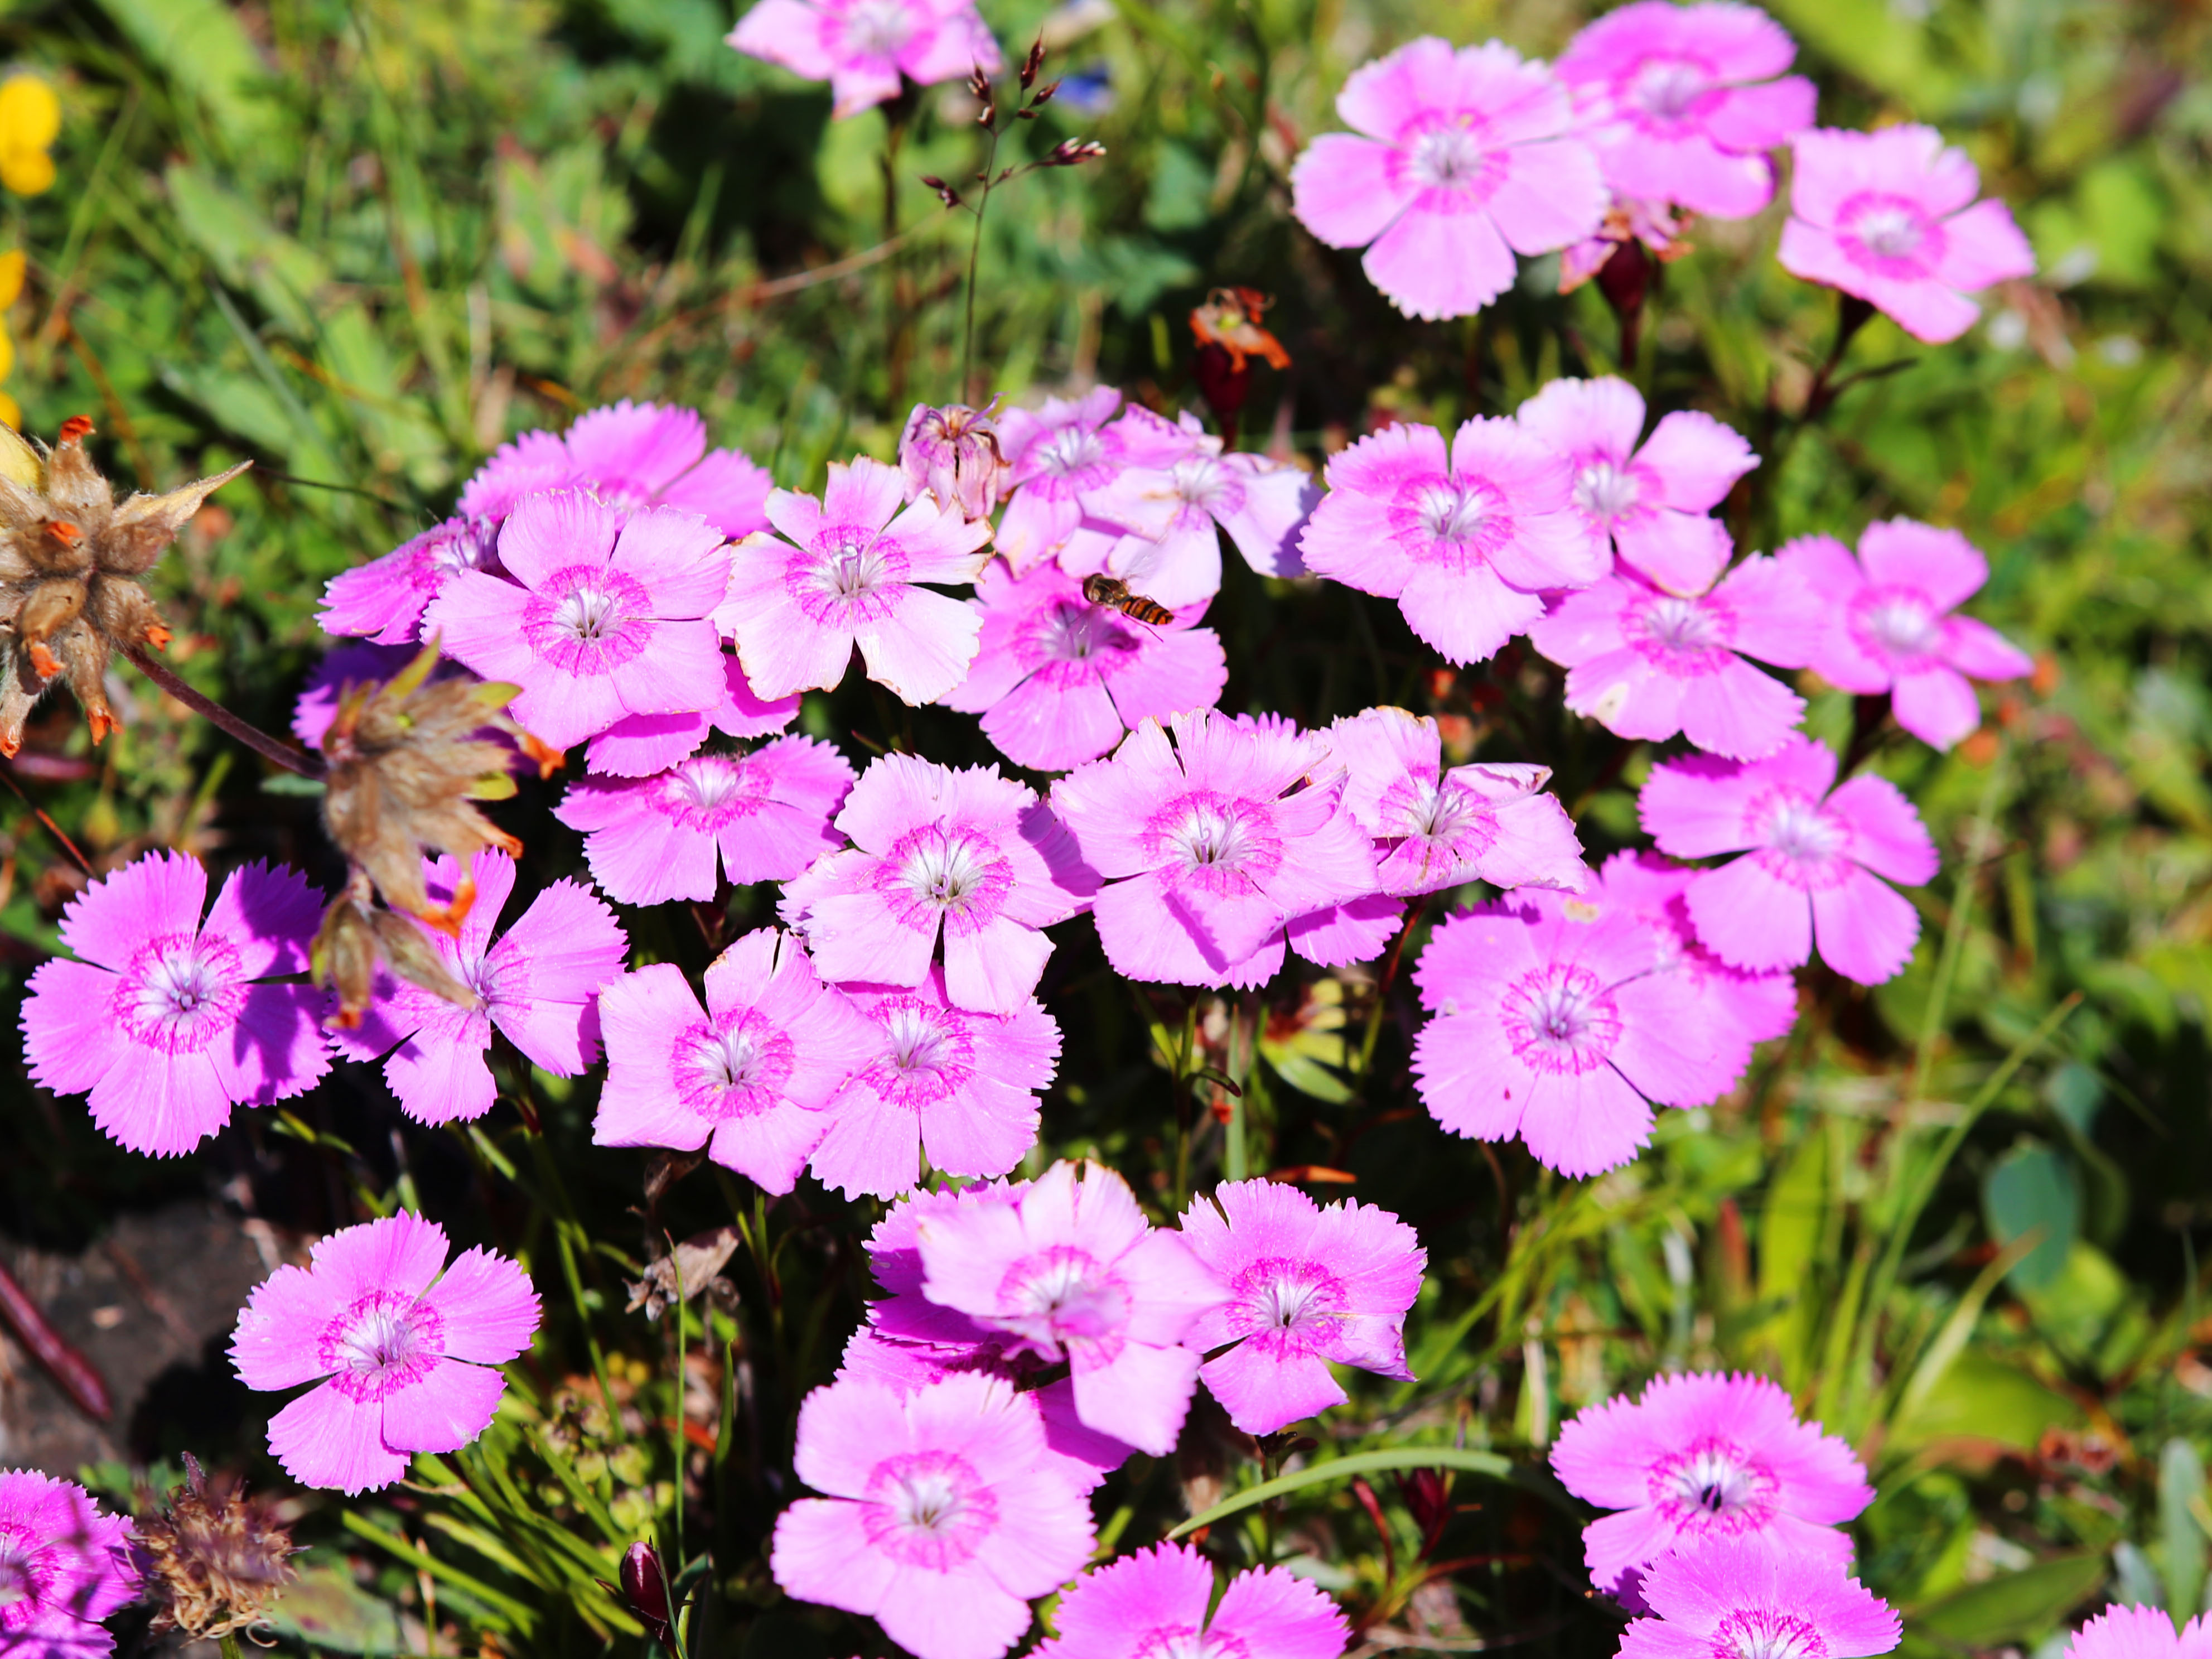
[
  {"x": 70, "y": 558},
  {"x": 1229, "y": 318},
  {"x": 218, "y": 1560}
]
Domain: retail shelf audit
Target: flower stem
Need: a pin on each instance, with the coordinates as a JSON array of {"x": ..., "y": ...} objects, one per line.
[
  {"x": 969, "y": 393},
  {"x": 274, "y": 749}
]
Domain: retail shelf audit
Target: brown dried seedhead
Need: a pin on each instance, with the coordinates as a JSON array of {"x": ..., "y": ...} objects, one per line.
[
  {"x": 70, "y": 558},
  {"x": 216, "y": 1560}
]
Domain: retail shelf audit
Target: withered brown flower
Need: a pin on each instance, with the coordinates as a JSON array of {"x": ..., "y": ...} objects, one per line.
[
  {"x": 1229, "y": 318},
  {"x": 217, "y": 1559}
]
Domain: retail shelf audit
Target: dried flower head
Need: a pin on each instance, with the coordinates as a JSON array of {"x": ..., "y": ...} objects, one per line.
[
  {"x": 70, "y": 558},
  {"x": 215, "y": 1559},
  {"x": 1229, "y": 318}
]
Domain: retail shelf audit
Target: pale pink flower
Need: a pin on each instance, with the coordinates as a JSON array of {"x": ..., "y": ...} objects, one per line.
[
  {"x": 2141, "y": 1632},
  {"x": 1467, "y": 542},
  {"x": 1457, "y": 161},
  {"x": 1058, "y": 680},
  {"x": 762, "y": 816},
  {"x": 1681, "y": 105},
  {"x": 967, "y": 854},
  {"x": 642, "y": 745},
  {"x": 1653, "y": 502},
  {"x": 1813, "y": 854},
  {"x": 747, "y": 1077},
  {"x": 1890, "y": 217},
  {"x": 64, "y": 1565},
  {"x": 1889, "y": 624},
  {"x": 1734, "y": 1598},
  {"x": 404, "y": 1349},
  {"x": 953, "y": 455},
  {"x": 864, "y": 49},
  {"x": 1707, "y": 1457},
  {"x": 1061, "y": 457},
  {"x": 846, "y": 574},
  {"x": 1154, "y": 1605},
  {"x": 944, "y": 1515}
]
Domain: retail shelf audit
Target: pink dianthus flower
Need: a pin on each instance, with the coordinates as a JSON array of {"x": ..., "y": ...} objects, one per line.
[
  {"x": 404, "y": 1349},
  {"x": 384, "y": 599},
  {"x": 1466, "y": 542},
  {"x": 1813, "y": 854},
  {"x": 1154, "y": 1604},
  {"x": 1212, "y": 844},
  {"x": 1307, "y": 1285},
  {"x": 764, "y": 816},
  {"x": 967, "y": 854},
  {"x": 1060, "y": 457},
  {"x": 865, "y": 48},
  {"x": 952, "y": 453},
  {"x": 1058, "y": 680},
  {"x": 1890, "y": 217},
  {"x": 63, "y": 1567},
  {"x": 1457, "y": 161},
  {"x": 642, "y": 745},
  {"x": 931, "y": 1077},
  {"x": 163, "y": 1021},
  {"x": 1734, "y": 1597},
  {"x": 944, "y": 1517},
  {"x": 1707, "y": 1457},
  {"x": 1070, "y": 1270},
  {"x": 537, "y": 984},
  {"x": 747, "y": 1077},
  {"x": 2141, "y": 1632},
  {"x": 1681, "y": 105},
  {"x": 1888, "y": 623},
  {"x": 845, "y": 573},
  {"x": 606, "y": 617},
  {"x": 1652, "y": 502}
]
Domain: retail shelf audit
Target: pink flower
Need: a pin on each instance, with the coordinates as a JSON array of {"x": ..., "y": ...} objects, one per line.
[
  {"x": 384, "y": 597},
  {"x": 747, "y": 1077},
  {"x": 1652, "y": 504},
  {"x": 961, "y": 1086},
  {"x": 1889, "y": 625},
  {"x": 63, "y": 1567},
  {"x": 865, "y": 48},
  {"x": 1733, "y": 1596},
  {"x": 642, "y": 745},
  {"x": 953, "y": 455},
  {"x": 1307, "y": 1285},
  {"x": 1646, "y": 663},
  {"x": 162, "y": 1021},
  {"x": 537, "y": 984},
  {"x": 605, "y": 617},
  {"x": 765, "y": 814},
  {"x": 844, "y": 575},
  {"x": 945, "y": 1516},
  {"x": 1154, "y": 1604},
  {"x": 630, "y": 456},
  {"x": 1681, "y": 103},
  {"x": 1654, "y": 224},
  {"x": 1886, "y": 216},
  {"x": 1060, "y": 458},
  {"x": 2141, "y": 1632},
  {"x": 1465, "y": 543},
  {"x": 1707, "y": 1457},
  {"x": 404, "y": 1345},
  {"x": 1073, "y": 1271},
  {"x": 1814, "y": 858},
  {"x": 969, "y": 855},
  {"x": 1458, "y": 160},
  {"x": 1550, "y": 1025},
  {"x": 1210, "y": 845},
  {"x": 1057, "y": 679}
]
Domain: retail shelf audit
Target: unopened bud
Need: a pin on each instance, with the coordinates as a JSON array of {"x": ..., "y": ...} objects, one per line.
[
  {"x": 645, "y": 1588},
  {"x": 1033, "y": 62},
  {"x": 1074, "y": 152}
]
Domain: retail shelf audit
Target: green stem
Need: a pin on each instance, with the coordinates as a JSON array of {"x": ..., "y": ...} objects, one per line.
[
  {"x": 230, "y": 1649},
  {"x": 967, "y": 391}
]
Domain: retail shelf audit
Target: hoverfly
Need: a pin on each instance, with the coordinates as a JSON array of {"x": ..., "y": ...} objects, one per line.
[{"x": 1112, "y": 590}]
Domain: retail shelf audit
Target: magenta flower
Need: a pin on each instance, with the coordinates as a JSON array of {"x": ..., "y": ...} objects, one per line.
[
  {"x": 1466, "y": 542},
  {"x": 384, "y": 599},
  {"x": 642, "y": 745},
  {"x": 63, "y": 1567},
  {"x": 953, "y": 453},
  {"x": 1457, "y": 161},
  {"x": 932, "y": 1077},
  {"x": 1646, "y": 663},
  {"x": 1058, "y": 460},
  {"x": 865, "y": 48},
  {"x": 1733, "y": 1596},
  {"x": 1152, "y": 1605},
  {"x": 605, "y": 617},
  {"x": 1890, "y": 217},
  {"x": 1210, "y": 845},
  {"x": 1550, "y": 1025},
  {"x": 162, "y": 1021},
  {"x": 1307, "y": 1285},
  {"x": 969, "y": 854},
  {"x": 844, "y": 575},
  {"x": 747, "y": 1077},
  {"x": 1707, "y": 1457},
  {"x": 404, "y": 1346},
  {"x": 1681, "y": 105},
  {"x": 1814, "y": 858},
  {"x": 945, "y": 1516},
  {"x": 1058, "y": 680},
  {"x": 1073, "y": 1271},
  {"x": 2141, "y": 1632},
  {"x": 1889, "y": 625},
  {"x": 630, "y": 456},
  {"x": 537, "y": 984},
  {"x": 1652, "y": 504},
  {"x": 764, "y": 816}
]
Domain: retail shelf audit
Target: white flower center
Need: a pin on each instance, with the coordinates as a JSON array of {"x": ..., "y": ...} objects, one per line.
[
  {"x": 16, "y": 1549},
  {"x": 1212, "y": 836},
  {"x": 1892, "y": 232},
  {"x": 878, "y": 28},
  {"x": 1667, "y": 87},
  {"x": 1903, "y": 623},
  {"x": 1765, "y": 1633},
  {"x": 1604, "y": 490},
  {"x": 1801, "y": 830},
  {"x": 1071, "y": 450},
  {"x": 1446, "y": 158},
  {"x": 588, "y": 613},
  {"x": 943, "y": 873},
  {"x": 1200, "y": 482}
]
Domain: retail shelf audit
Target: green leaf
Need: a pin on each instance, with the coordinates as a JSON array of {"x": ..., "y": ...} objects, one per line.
[
  {"x": 2033, "y": 1188},
  {"x": 2012, "y": 1607},
  {"x": 326, "y": 1609},
  {"x": 2181, "y": 1540},
  {"x": 1343, "y": 1468}
]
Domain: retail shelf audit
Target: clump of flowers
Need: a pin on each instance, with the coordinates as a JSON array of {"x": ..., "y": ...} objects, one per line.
[
  {"x": 217, "y": 1561},
  {"x": 30, "y": 121}
]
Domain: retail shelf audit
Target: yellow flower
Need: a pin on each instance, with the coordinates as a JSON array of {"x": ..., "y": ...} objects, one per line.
[
  {"x": 30, "y": 121},
  {"x": 11, "y": 286}
]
